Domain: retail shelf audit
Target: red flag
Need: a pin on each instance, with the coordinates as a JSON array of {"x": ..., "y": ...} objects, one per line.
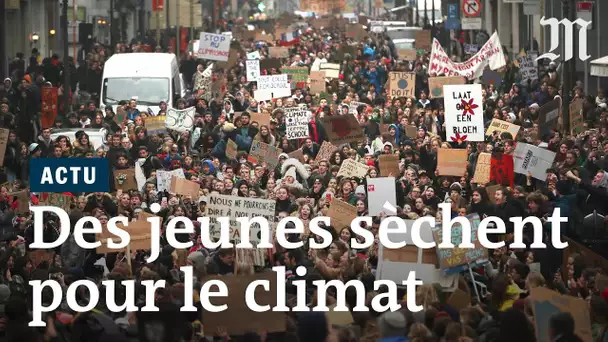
[
  {"x": 502, "y": 170},
  {"x": 50, "y": 102}
]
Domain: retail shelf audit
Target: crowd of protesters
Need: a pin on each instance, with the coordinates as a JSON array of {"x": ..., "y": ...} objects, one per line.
[{"x": 305, "y": 187}]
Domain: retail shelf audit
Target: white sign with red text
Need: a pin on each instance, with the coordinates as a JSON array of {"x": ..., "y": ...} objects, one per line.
[
  {"x": 381, "y": 191},
  {"x": 490, "y": 55}
]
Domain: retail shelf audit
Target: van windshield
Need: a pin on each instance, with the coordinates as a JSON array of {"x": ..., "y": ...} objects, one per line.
[{"x": 148, "y": 91}]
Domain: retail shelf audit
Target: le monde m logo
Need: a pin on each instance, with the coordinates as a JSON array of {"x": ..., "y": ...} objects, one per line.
[{"x": 568, "y": 32}]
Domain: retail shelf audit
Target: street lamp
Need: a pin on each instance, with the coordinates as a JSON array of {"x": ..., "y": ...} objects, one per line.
[{"x": 34, "y": 37}]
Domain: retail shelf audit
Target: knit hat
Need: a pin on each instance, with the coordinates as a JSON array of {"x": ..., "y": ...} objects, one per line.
[
  {"x": 197, "y": 258},
  {"x": 33, "y": 147},
  {"x": 456, "y": 187},
  {"x": 392, "y": 324},
  {"x": 291, "y": 172}
]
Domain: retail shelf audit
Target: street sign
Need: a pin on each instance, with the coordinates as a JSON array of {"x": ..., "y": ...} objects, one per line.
[
  {"x": 471, "y": 8},
  {"x": 584, "y": 10},
  {"x": 452, "y": 22},
  {"x": 531, "y": 7},
  {"x": 471, "y": 23}
]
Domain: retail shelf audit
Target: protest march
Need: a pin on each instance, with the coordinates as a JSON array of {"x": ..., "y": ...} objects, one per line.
[{"x": 304, "y": 116}]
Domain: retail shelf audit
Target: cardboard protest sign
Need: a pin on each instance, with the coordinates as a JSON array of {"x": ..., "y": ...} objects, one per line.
[
  {"x": 590, "y": 258},
  {"x": 3, "y": 143},
  {"x": 50, "y": 105},
  {"x": 297, "y": 154},
  {"x": 501, "y": 169},
  {"x": 491, "y": 191},
  {"x": 238, "y": 318},
  {"x": 548, "y": 115},
  {"x": 264, "y": 153},
  {"x": 253, "y": 69},
  {"x": 317, "y": 82},
  {"x": 342, "y": 214},
  {"x": 231, "y": 149},
  {"x": 533, "y": 159},
  {"x": 463, "y": 113},
  {"x": 342, "y": 129},
  {"x": 262, "y": 119},
  {"x": 156, "y": 124},
  {"x": 436, "y": 84},
  {"x": 423, "y": 40},
  {"x": 125, "y": 179},
  {"x": 325, "y": 151},
  {"x": 121, "y": 115},
  {"x": 332, "y": 70},
  {"x": 500, "y": 126},
  {"x": 482, "y": 170},
  {"x": 139, "y": 232},
  {"x": 546, "y": 302},
  {"x": 23, "y": 201},
  {"x": 320, "y": 23},
  {"x": 402, "y": 84},
  {"x": 182, "y": 186},
  {"x": 180, "y": 120},
  {"x": 355, "y": 31},
  {"x": 235, "y": 207},
  {"x": 389, "y": 165},
  {"x": 339, "y": 318},
  {"x": 380, "y": 191},
  {"x": 296, "y": 123},
  {"x": 270, "y": 63},
  {"x": 55, "y": 199},
  {"x": 38, "y": 256},
  {"x": 395, "y": 264},
  {"x": 410, "y": 131},
  {"x": 278, "y": 51},
  {"x": 163, "y": 178},
  {"x": 215, "y": 47},
  {"x": 576, "y": 116},
  {"x": 459, "y": 299},
  {"x": 407, "y": 54},
  {"x": 351, "y": 168},
  {"x": 263, "y": 37},
  {"x": 454, "y": 257},
  {"x": 451, "y": 162}
]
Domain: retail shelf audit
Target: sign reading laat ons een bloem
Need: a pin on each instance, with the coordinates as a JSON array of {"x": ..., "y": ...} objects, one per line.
[{"x": 463, "y": 113}]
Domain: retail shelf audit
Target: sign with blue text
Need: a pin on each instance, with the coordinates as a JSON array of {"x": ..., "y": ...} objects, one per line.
[{"x": 69, "y": 175}]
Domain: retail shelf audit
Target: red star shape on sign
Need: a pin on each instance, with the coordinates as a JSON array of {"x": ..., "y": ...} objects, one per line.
[
  {"x": 467, "y": 107},
  {"x": 459, "y": 138}
]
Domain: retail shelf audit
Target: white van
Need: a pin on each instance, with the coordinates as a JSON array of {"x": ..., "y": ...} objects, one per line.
[{"x": 147, "y": 77}]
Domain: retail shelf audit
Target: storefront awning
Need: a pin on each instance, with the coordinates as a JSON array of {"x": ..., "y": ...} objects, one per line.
[{"x": 599, "y": 67}]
